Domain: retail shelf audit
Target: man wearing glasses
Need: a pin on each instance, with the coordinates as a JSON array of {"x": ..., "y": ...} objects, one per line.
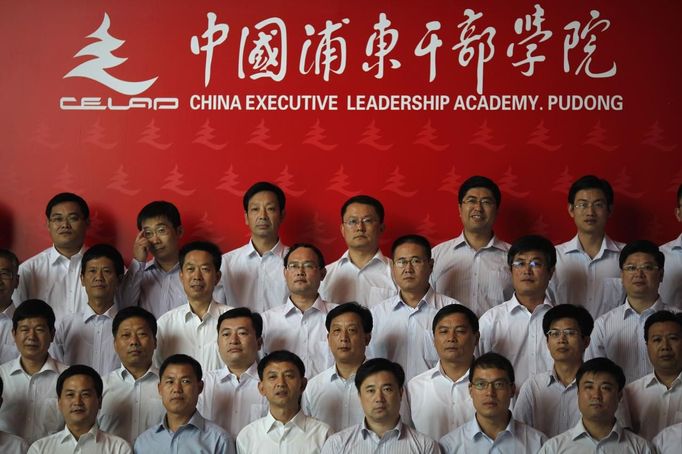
[
  {"x": 362, "y": 273},
  {"x": 299, "y": 324},
  {"x": 619, "y": 334}
]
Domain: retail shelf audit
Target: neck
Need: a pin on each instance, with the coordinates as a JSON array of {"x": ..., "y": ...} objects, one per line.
[
  {"x": 381, "y": 427},
  {"x": 200, "y": 307},
  {"x": 412, "y": 298},
  {"x": 99, "y": 305},
  {"x": 667, "y": 377},
  {"x": 598, "y": 429},
  {"x": 530, "y": 302},
  {"x": 591, "y": 242},
  {"x": 263, "y": 244},
  {"x": 167, "y": 264},
  {"x": 455, "y": 370},
  {"x": 361, "y": 257},
  {"x": 303, "y": 302},
  {"x": 492, "y": 426},
  {"x": 566, "y": 371},
  {"x": 239, "y": 369},
  {"x": 32, "y": 366},
  {"x": 79, "y": 429},
  {"x": 284, "y": 414},
  {"x": 346, "y": 370},
  {"x": 137, "y": 372},
  {"x": 175, "y": 420},
  {"x": 640, "y": 304},
  {"x": 477, "y": 240},
  {"x": 5, "y": 305},
  {"x": 68, "y": 252}
]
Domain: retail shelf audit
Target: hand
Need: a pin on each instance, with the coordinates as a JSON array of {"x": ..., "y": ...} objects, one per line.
[{"x": 141, "y": 247}]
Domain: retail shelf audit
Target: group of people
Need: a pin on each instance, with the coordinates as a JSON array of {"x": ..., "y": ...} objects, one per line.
[{"x": 474, "y": 345}]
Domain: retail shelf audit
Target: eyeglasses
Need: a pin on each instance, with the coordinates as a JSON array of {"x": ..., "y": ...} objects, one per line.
[
  {"x": 414, "y": 261},
  {"x": 71, "y": 219},
  {"x": 597, "y": 205},
  {"x": 522, "y": 264},
  {"x": 306, "y": 266},
  {"x": 472, "y": 201},
  {"x": 497, "y": 385},
  {"x": 159, "y": 231},
  {"x": 557, "y": 333},
  {"x": 6, "y": 275},
  {"x": 353, "y": 223},
  {"x": 646, "y": 267}
]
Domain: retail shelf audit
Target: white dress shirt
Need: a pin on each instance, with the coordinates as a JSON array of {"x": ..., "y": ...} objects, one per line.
[
  {"x": 479, "y": 279},
  {"x": 368, "y": 286},
  {"x": 404, "y": 334},
  {"x": 129, "y": 406},
  {"x": 55, "y": 279},
  {"x": 512, "y": 331},
  {"x": 653, "y": 406},
  {"x": 8, "y": 348},
  {"x": 232, "y": 403},
  {"x": 86, "y": 338},
  {"x": 469, "y": 438},
  {"x": 302, "y": 434},
  {"x": 592, "y": 283},
  {"x": 619, "y": 336},
  {"x": 147, "y": 285},
  {"x": 10, "y": 443},
  {"x": 359, "y": 439},
  {"x": 92, "y": 442},
  {"x": 285, "y": 327},
  {"x": 29, "y": 408},
  {"x": 182, "y": 331},
  {"x": 252, "y": 281},
  {"x": 668, "y": 440},
  {"x": 578, "y": 441},
  {"x": 671, "y": 287}
]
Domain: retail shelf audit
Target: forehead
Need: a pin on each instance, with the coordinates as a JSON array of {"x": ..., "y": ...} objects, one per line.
[
  {"x": 666, "y": 327},
  {"x": 457, "y": 319},
  {"x": 179, "y": 370},
  {"x": 237, "y": 322},
  {"x": 599, "y": 378},
  {"x": 639, "y": 257},
  {"x": 155, "y": 221},
  {"x": 80, "y": 381},
  {"x": 380, "y": 378},
  {"x": 479, "y": 193},
  {"x": 564, "y": 323},
  {"x": 264, "y": 197},
  {"x": 409, "y": 249},
  {"x": 32, "y": 322},
  {"x": 100, "y": 261},
  {"x": 489, "y": 373},
  {"x": 532, "y": 254},
  {"x": 6, "y": 264},
  {"x": 280, "y": 367},
  {"x": 590, "y": 195},
  {"x": 360, "y": 210},
  {"x": 199, "y": 258},
  {"x": 347, "y": 318},
  {"x": 303, "y": 254},
  {"x": 66, "y": 208},
  {"x": 134, "y": 323}
]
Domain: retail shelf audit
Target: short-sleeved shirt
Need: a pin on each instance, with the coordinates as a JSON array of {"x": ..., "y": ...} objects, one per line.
[
  {"x": 671, "y": 287},
  {"x": 147, "y": 285},
  {"x": 578, "y": 441},
  {"x": 668, "y": 440},
  {"x": 301, "y": 434},
  {"x": 653, "y": 406},
  {"x": 359, "y": 439},
  {"x": 92, "y": 442},
  {"x": 469, "y": 438}
]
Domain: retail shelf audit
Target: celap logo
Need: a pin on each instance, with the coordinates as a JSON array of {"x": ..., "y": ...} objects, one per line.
[{"x": 96, "y": 69}]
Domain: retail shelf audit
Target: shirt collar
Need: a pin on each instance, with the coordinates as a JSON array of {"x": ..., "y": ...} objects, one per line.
[
  {"x": 653, "y": 380},
  {"x": 66, "y": 435},
  {"x": 54, "y": 255},
  {"x": 494, "y": 243},
  {"x": 88, "y": 313},
  {"x": 554, "y": 378},
  {"x": 152, "y": 373},
  {"x": 212, "y": 311},
  {"x": 428, "y": 298},
  {"x": 657, "y": 306},
  {"x": 278, "y": 249},
  {"x": 251, "y": 372},
  {"x": 9, "y": 311},
  {"x": 677, "y": 243},
  {"x": 514, "y": 304},
  {"x": 50, "y": 365},
  {"x": 607, "y": 244},
  {"x": 298, "y": 420},
  {"x": 378, "y": 257},
  {"x": 579, "y": 431},
  {"x": 196, "y": 420},
  {"x": 473, "y": 430},
  {"x": 438, "y": 371},
  {"x": 290, "y": 307},
  {"x": 367, "y": 432},
  {"x": 151, "y": 264}
]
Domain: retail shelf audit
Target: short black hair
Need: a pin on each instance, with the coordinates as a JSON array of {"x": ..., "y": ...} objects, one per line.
[
  {"x": 660, "y": 317},
  {"x": 376, "y": 365},
  {"x": 364, "y": 200},
  {"x": 103, "y": 250},
  {"x": 533, "y": 243},
  {"x": 361, "y": 311},
  {"x": 179, "y": 359},
  {"x": 492, "y": 360},
  {"x": 266, "y": 186},
  {"x": 239, "y": 312},
  {"x": 34, "y": 308},
  {"x": 157, "y": 209},
  {"x": 455, "y": 309},
  {"x": 591, "y": 182},
  {"x": 280, "y": 356},
  {"x": 130, "y": 312},
  {"x": 315, "y": 249},
  {"x": 68, "y": 197},
  {"x": 578, "y": 313},
  {"x": 11, "y": 258},
  {"x": 205, "y": 246},
  {"x": 643, "y": 246},
  {"x": 412, "y": 239},
  {"x": 601, "y": 365},
  {"x": 80, "y": 369},
  {"x": 478, "y": 181}
]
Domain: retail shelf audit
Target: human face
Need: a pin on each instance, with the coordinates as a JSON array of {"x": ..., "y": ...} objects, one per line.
[
  {"x": 347, "y": 339},
  {"x": 592, "y": 218},
  {"x": 530, "y": 281},
  {"x": 380, "y": 396},
  {"x": 263, "y": 215},
  {"x": 411, "y": 277},
  {"x": 665, "y": 347},
  {"x": 135, "y": 343},
  {"x": 199, "y": 276},
  {"x": 478, "y": 211},
  {"x": 78, "y": 402},
  {"x": 454, "y": 339},
  {"x": 641, "y": 284},
  {"x": 237, "y": 343},
  {"x": 33, "y": 337},
  {"x": 163, "y": 238},
  {"x": 305, "y": 280},
  {"x": 179, "y": 388},
  {"x": 100, "y": 280},
  {"x": 490, "y": 402},
  {"x": 282, "y": 385},
  {"x": 67, "y": 226},
  {"x": 9, "y": 280},
  {"x": 365, "y": 234},
  {"x": 598, "y": 397},
  {"x": 567, "y": 349}
]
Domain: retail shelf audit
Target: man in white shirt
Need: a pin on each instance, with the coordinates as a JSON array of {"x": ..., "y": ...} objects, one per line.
[
  {"x": 472, "y": 268},
  {"x": 587, "y": 266},
  {"x": 231, "y": 398},
  {"x": 362, "y": 273},
  {"x": 252, "y": 274},
  {"x": 130, "y": 402},
  {"x": 30, "y": 409},
  {"x": 191, "y": 329},
  {"x": 618, "y": 334},
  {"x": 298, "y": 325},
  {"x": 671, "y": 287},
  {"x": 439, "y": 398},
  {"x": 403, "y": 323},
  {"x": 668, "y": 440},
  {"x": 380, "y": 386},
  {"x": 8, "y": 442},
  {"x": 9, "y": 280},
  {"x": 514, "y": 328},
  {"x": 285, "y": 428},
  {"x": 54, "y": 274},
  {"x": 655, "y": 400},
  {"x": 79, "y": 392},
  {"x": 155, "y": 285},
  {"x": 600, "y": 388},
  {"x": 492, "y": 429},
  {"x": 85, "y": 337}
]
